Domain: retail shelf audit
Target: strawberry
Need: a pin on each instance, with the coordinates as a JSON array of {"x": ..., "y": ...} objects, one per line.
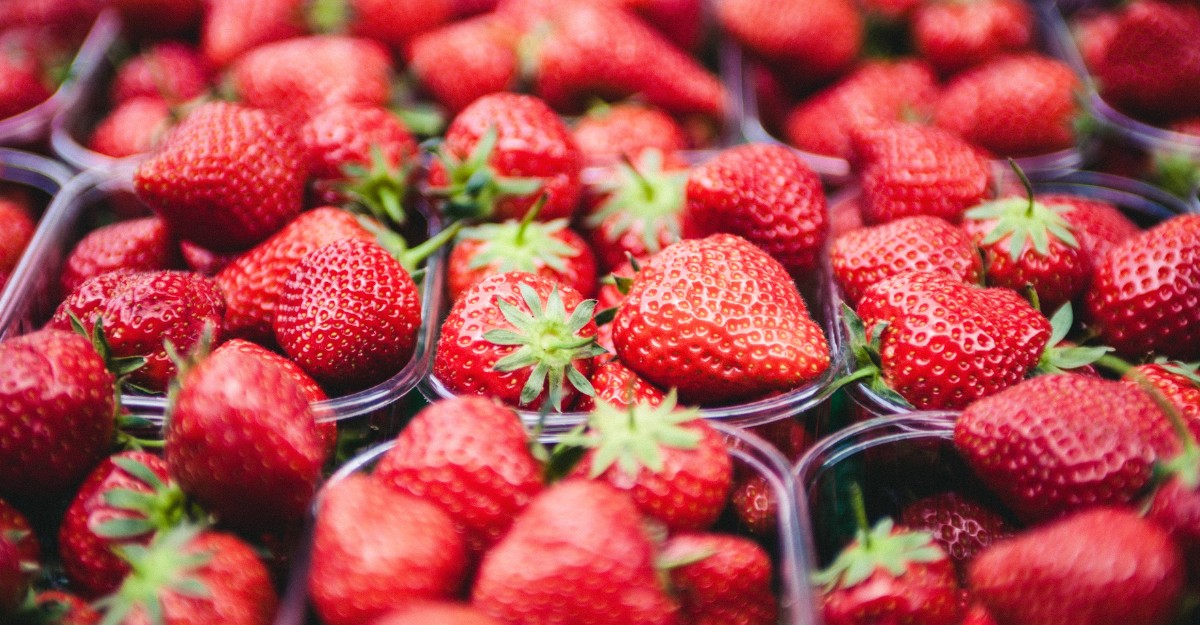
[
  {"x": 1057, "y": 443},
  {"x": 159, "y": 17},
  {"x": 140, "y": 311},
  {"x": 125, "y": 501},
  {"x": 1131, "y": 73},
  {"x": 232, "y": 27},
  {"x": 16, "y": 229},
  {"x": 954, "y": 36},
  {"x": 1098, "y": 567},
  {"x": 56, "y": 412},
  {"x": 520, "y": 338},
  {"x": 607, "y": 132},
  {"x": 484, "y": 45},
  {"x": 864, "y": 256},
  {"x": 443, "y": 613},
  {"x": 618, "y": 385},
  {"x": 1178, "y": 382},
  {"x": 671, "y": 462},
  {"x": 680, "y": 21},
  {"x": 393, "y": 23},
  {"x": 375, "y": 549},
  {"x": 136, "y": 245},
  {"x": 136, "y": 126},
  {"x": 15, "y": 528},
  {"x": 960, "y": 525},
  {"x": 1092, "y": 33},
  {"x": 875, "y": 91},
  {"x": 1019, "y": 105},
  {"x": 675, "y": 330},
  {"x": 730, "y": 583},
  {"x": 636, "y": 211},
  {"x": 234, "y": 410},
  {"x": 577, "y": 554},
  {"x": 169, "y": 71},
  {"x": 909, "y": 170},
  {"x": 755, "y": 504},
  {"x": 1145, "y": 294},
  {"x": 14, "y": 583},
  {"x": 21, "y": 87},
  {"x": 61, "y": 608},
  {"x": 298, "y": 77},
  {"x": 499, "y": 153},
  {"x": 204, "y": 261},
  {"x": 228, "y": 176},
  {"x": 765, "y": 194},
  {"x": 942, "y": 343},
  {"x": 1097, "y": 225},
  {"x": 193, "y": 576},
  {"x": 471, "y": 456},
  {"x": 813, "y": 39}
]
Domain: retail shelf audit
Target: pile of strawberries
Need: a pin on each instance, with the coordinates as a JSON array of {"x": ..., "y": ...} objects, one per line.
[{"x": 38, "y": 41}]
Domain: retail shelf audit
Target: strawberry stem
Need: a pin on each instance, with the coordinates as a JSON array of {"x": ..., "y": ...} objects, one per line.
[
  {"x": 531, "y": 216},
  {"x": 858, "y": 505}
]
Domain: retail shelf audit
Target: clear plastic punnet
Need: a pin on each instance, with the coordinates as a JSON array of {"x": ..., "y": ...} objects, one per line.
[{"x": 749, "y": 452}]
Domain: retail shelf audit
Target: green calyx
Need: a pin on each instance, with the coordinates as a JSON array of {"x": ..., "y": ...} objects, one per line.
[
  {"x": 379, "y": 189},
  {"x": 410, "y": 257},
  {"x": 1060, "y": 358},
  {"x": 649, "y": 197},
  {"x": 548, "y": 342},
  {"x": 1024, "y": 220},
  {"x": 120, "y": 367},
  {"x": 328, "y": 16},
  {"x": 1175, "y": 172},
  {"x": 155, "y": 569},
  {"x": 474, "y": 188},
  {"x": 633, "y": 437},
  {"x": 868, "y": 363},
  {"x": 878, "y": 548},
  {"x": 525, "y": 245},
  {"x": 163, "y": 508}
]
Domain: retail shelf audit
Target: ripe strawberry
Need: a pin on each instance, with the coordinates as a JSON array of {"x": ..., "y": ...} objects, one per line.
[
  {"x": 61, "y": 608},
  {"x": 15, "y": 528},
  {"x": 443, "y": 613},
  {"x": 232, "y": 27},
  {"x": 56, "y": 412},
  {"x": 1057, "y": 443},
  {"x": 1019, "y": 105},
  {"x": 470, "y": 456},
  {"x": 16, "y": 229},
  {"x": 619, "y": 386},
  {"x": 675, "y": 330},
  {"x": 954, "y": 36},
  {"x": 1131, "y": 73},
  {"x": 519, "y": 338},
  {"x": 227, "y": 176},
  {"x": 671, "y": 462},
  {"x": 1097, "y": 225},
  {"x": 375, "y": 549},
  {"x": 1145, "y": 294},
  {"x": 944, "y": 343},
  {"x": 577, "y": 554},
  {"x": 348, "y": 314},
  {"x": 1098, "y": 567},
  {"x": 140, "y": 311},
  {"x": 500, "y": 154},
  {"x": 960, "y": 525},
  {"x": 865, "y": 256},
  {"x": 765, "y": 194},
  {"x": 299, "y": 77},
  {"x": 731, "y": 584},
  {"x": 234, "y": 410},
  {"x": 1178, "y": 382},
  {"x": 1092, "y": 32},
  {"x": 126, "y": 500},
  {"x": 169, "y": 71},
  {"x": 136, "y": 126},
  {"x": 21, "y": 88},
  {"x": 159, "y": 17},
  {"x": 393, "y": 23},
  {"x": 194, "y": 576},
  {"x": 680, "y": 21},
  {"x": 636, "y": 211},
  {"x": 875, "y": 91},
  {"x": 14, "y": 582},
  {"x": 482, "y": 44},
  {"x": 755, "y": 504},
  {"x": 606, "y": 132},
  {"x": 817, "y": 40},
  {"x": 136, "y": 245},
  {"x": 363, "y": 152},
  {"x": 204, "y": 261},
  {"x": 917, "y": 170}
]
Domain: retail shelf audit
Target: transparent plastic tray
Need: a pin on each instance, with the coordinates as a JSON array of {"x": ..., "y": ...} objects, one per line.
[{"x": 748, "y": 451}]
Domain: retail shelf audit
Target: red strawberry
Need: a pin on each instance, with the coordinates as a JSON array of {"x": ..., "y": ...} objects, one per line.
[
  {"x": 816, "y": 40},
  {"x": 636, "y": 210},
  {"x": 875, "y": 91},
  {"x": 618, "y": 385},
  {"x": 15, "y": 528},
  {"x": 961, "y": 526},
  {"x": 140, "y": 311},
  {"x": 204, "y": 261},
  {"x": 63, "y": 608},
  {"x": 443, "y": 613},
  {"x": 1018, "y": 105},
  {"x": 227, "y": 176},
  {"x": 676, "y": 331},
  {"x": 520, "y": 338},
  {"x": 765, "y": 194},
  {"x": 125, "y": 501},
  {"x": 483, "y": 44},
  {"x": 755, "y": 504},
  {"x": 56, "y": 412},
  {"x": 865, "y": 256},
  {"x": 191, "y": 576},
  {"x": 136, "y": 126},
  {"x": 159, "y": 17},
  {"x": 605, "y": 133},
  {"x": 1179, "y": 384},
  {"x": 917, "y": 170},
  {"x": 954, "y": 36},
  {"x": 1099, "y": 226},
  {"x": 519, "y": 149},
  {"x": 232, "y": 27},
  {"x": 731, "y": 585},
  {"x": 135, "y": 245},
  {"x": 21, "y": 88},
  {"x": 299, "y": 77},
  {"x": 14, "y": 582},
  {"x": 1131, "y": 73},
  {"x": 365, "y": 149},
  {"x": 471, "y": 456},
  {"x": 1098, "y": 567},
  {"x": 1093, "y": 32},
  {"x": 169, "y": 71},
  {"x": 393, "y": 23},
  {"x": 234, "y": 410},
  {"x": 1057, "y": 443},
  {"x": 16, "y": 229},
  {"x": 577, "y": 554},
  {"x": 1145, "y": 294},
  {"x": 672, "y": 463},
  {"x": 375, "y": 549}
]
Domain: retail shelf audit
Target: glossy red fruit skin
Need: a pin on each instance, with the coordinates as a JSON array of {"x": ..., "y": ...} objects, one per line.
[
  {"x": 344, "y": 134},
  {"x": 205, "y": 261},
  {"x": 578, "y": 554},
  {"x": 925, "y": 594},
  {"x": 16, "y": 229},
  {"x": 375, "y": 549},
  {"x": 236, "y": 411},
  {"x": 1059, "y": 443},
  {"x": 961, "y": 526},
  {"x": 619, "y": 385},
  {"x": 139, "y": 311},
  {"x": 1104, "y": 566},
  {"x": 812, "y": 40},
  {"x": 136, "y": 245},
  {"x": 56, "y": 412},
  {"x": 580, "y": 265},
  {"x": 21, "y": 88},
  {"x": 1145, "y": 35},
  {"x": 76, "y": 610},
  {"x": 228, "y": 176},
  {"x": 395, "y": 23},
  {"x": 87, "y": 557},
  {"x": 1181, "y": 392},
  {"x": 470, "y": 456},
  {"x": 1097, "y": 225},
  {"x": 14, "y": 584},
  {"x": 765, "y": 194},
  {"x": 672, "y": 325},
  {"x": 733, "y": 585},
  {"x": 865, "y": 256},
  {"x": 954, "y": 36},
  {"x": 348, "y": 314},
  {"x": 233, "y": 27},
  {"x": 605, "y": 134},
  {"x": 532, "y": 142},
  {"x": 482, "y": 44},
  {"x": 444, "y": 613},
  {"x": 170, "y": 71},
  {"x": 1145, "y": 295},
  {"x": 135, "y": 126}
]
